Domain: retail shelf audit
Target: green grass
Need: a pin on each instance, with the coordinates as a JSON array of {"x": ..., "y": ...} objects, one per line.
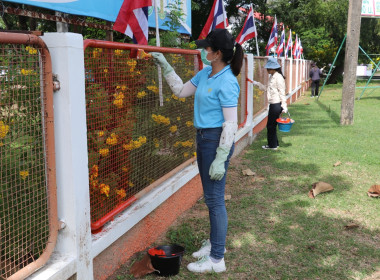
[{"x": 275, "y": 230}]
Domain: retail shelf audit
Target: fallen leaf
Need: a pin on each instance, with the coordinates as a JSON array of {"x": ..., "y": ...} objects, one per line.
[
  {"x": 374, "y": 191},
  {"x": 248, "y": 172},
  {"x": 319, "y": 187},
  {"x": 307, "y": 103},
  {"x": 227, "y": 197},
  {"x": 351, "y": 226},
  {"x": 337, "y": 163}
]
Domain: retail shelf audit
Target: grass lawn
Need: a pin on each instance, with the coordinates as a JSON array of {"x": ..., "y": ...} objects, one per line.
[{"x": 275, "y": 230}]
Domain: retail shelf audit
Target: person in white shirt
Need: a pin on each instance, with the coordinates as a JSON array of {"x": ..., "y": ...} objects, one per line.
[{"x": 276, "y": 99}]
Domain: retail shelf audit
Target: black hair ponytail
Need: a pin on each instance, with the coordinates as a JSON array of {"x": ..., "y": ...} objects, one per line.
[
  {"x": 237, "y": 59},
  {"x": 234, "y": 58}
]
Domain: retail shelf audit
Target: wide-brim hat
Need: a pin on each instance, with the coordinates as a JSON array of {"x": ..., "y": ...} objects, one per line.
[
  {"x": 272, "y": 63},
  {"x": 219, "y": 39}
]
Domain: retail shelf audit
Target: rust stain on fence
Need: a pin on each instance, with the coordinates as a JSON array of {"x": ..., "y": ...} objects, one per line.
[
  {"x": 134, "y": 140},
  {"x": 28, "y": 208}
]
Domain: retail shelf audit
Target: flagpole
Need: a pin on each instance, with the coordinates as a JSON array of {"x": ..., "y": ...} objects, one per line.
[
  {"x": 257, "y": 45},
  {"x": 158, "y": 44},
  {"x": 224, "y": 16}
]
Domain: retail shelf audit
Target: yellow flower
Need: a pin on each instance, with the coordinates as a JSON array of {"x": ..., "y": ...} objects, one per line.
[
  {"x": 24, "y": 174},
  {"x": 130, "y": 184},
  {"x": 104, "y": 152},
  {"x": 195, "y": 154},
  {"x": 112, "y": 140},
  {"x": 104, "y": 189},
  {"x": 173, "y": 128},
  {"x": 125, "y": 168},
  {"x": 106, "y": 70},
  {"x": 174, "y": 97},
  {"x": 137, "y": 144},
  {"x": 178, "y": 118},
  {"x": 186, "y": 154},
  {"x": 188, "y": 143},
  {"x": 177, "y": 144},
  {"x": 26, "y": 72},
  {"x": 31, "y": 50},
  {"x": 118, "y": 52},
  {"x": 141, "y": 94},
  {"x": 128, "y": 147},
  {"x": 142, "y": 139},
  {"x": 1, "y": 144},
  {"x": 95, "y": 170},
  {"x": 160, "y": 119},
  {"x": 153, "y": 88},
  {"x": 167, "y": 99},
  {"x": 121, "y": 193},
  {"x": 156, "y": 142},
  {"x": 3, "y": 129},
  {"x": 189, "y": 123},
  {"x": 101, "y": 133},
  {"x": 118, "y": 103},
  {"x": 123, "y": 87},
  {"x": 182, "y": 99}
]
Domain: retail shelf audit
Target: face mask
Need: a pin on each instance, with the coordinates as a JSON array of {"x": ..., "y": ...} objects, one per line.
[{"x": 204, "y": 59}]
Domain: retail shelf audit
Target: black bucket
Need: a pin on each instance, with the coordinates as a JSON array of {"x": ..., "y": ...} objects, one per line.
[{"x": 169, "y": 264}]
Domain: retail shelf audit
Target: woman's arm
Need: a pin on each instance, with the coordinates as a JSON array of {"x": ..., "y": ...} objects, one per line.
[
  {"x": 259, "y": 85},
  {"x": 174, "y": 81}
]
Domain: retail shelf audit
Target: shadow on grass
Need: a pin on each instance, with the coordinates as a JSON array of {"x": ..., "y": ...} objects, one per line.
[{"x": 333, "y": 115}]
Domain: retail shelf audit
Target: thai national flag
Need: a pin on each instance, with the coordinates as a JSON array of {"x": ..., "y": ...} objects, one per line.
[
  {"x": 281, "y": 46},
  {"x": 295, "y": 47},
  {"x": 216, "y": 19},
  {"x": 132, "y": 20},
  {"x": 249, "y": 28},
  {"x": 300, "y": 48},
  {"x": 273, "y": 37},
  {"x": 289, "y": 44}
]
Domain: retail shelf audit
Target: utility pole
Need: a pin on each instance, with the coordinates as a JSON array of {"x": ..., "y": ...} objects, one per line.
[{"x": 351, "y": 62}]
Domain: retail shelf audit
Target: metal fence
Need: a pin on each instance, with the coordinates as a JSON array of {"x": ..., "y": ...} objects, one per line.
[
  {"x": 137, "y": 130},
  {"x": 28, "y": 207}
]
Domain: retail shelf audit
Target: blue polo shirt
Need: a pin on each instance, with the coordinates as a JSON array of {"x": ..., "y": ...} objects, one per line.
[{"x": 213, "y": 94}]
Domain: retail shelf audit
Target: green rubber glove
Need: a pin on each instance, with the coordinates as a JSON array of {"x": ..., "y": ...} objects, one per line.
[
  {"x": 217, "y": 169},
  {"x": 160, "y": 60}
]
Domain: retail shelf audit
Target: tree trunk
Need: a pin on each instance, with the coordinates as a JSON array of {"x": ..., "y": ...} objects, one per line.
[{"x": 351, "y": 62}]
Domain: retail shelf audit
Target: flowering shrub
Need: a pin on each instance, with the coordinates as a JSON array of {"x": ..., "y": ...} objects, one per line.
[
  {"x": 24, "y": 211},
  {"x": 132, "y": 127}
]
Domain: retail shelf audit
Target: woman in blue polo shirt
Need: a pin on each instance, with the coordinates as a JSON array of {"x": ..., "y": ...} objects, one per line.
[{"x": 216, "y": 92}]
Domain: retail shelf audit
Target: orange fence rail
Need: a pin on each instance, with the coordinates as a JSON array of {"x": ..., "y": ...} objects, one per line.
[
  {"x": 137, "y": 130},
  {"x": 28, "y": 212}
]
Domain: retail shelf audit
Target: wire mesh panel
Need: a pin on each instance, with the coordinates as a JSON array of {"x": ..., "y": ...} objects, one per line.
[
  {"x": 25, "y": 181},
  {"x": 137, "y": 131},
  {"x": 260, "y": 74}
]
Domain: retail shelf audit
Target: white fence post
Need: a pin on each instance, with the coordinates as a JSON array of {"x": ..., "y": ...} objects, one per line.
[{"x": 74, "y": 240}]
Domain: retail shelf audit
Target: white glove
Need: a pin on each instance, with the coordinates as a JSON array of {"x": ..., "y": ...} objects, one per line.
[
  {"x": 285, "y": 110},
  {"x": 160, "y": 60}
]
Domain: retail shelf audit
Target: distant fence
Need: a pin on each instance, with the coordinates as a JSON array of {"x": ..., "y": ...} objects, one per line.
[{"x": 28, "y": 212}]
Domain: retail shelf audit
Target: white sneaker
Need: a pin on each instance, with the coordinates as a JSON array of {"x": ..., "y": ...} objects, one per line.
[
  {"x": 205, "y": 264},
  {"x": 204, "y": 250}
]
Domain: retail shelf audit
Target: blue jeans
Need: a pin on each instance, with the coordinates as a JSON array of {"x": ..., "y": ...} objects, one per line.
[{"x": 207, "y": 143}]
